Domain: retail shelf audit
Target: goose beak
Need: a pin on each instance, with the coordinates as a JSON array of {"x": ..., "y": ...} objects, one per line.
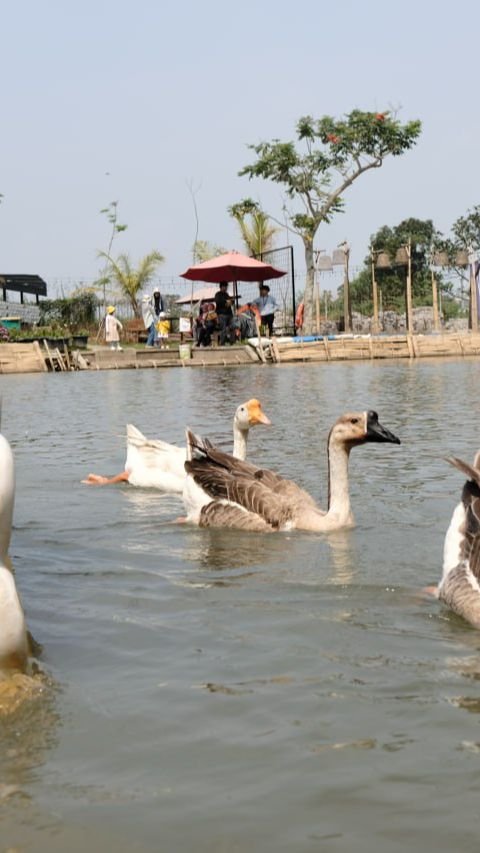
[
  {"x": 256, "y": 415},
  {"x": 377, "y": 432}
]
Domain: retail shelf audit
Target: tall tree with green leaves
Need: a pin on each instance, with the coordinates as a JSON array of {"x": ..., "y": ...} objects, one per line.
[
  {"x": 466, "y": 230},
  {"x": 255, "y": 226},
  {"x": 424, "y": 238},
  {"x": 132, "y": 280},
  {"x": 332, "y": 154}
]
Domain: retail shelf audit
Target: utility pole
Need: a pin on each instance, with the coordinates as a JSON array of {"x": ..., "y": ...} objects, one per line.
[{"x": 375, "y": 323}]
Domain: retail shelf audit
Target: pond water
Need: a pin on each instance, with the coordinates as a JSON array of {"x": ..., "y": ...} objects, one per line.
[{"x": 222, "y": 692}]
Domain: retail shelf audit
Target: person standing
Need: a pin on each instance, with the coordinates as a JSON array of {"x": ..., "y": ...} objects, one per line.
[
  {"x": 223, "y": 304},
  {"x": 149, "y": 320},
  {"x": 112, "y": 329},
  {"x": 267, "y": 305},
  {"x": 157, "y": 303}
]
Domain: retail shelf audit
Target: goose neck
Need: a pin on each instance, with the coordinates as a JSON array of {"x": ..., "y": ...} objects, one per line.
[
  {"x": 338, "y": 485},
  {"x": 240, "y": 437}
]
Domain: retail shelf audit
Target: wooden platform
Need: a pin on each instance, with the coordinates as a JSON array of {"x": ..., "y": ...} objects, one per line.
[
  {"x": 107, "y": 359},
  {"x": 22, "y": 358},
  {"x": 32, "y": 358},
  {"x": 391, "y": 346}
]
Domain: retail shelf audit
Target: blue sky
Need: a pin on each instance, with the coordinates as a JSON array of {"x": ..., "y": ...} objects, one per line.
[{"x": 132, "y": 101}]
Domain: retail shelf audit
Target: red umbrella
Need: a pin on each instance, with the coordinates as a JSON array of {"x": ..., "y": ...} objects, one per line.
[{"x": 233, "y": 266}]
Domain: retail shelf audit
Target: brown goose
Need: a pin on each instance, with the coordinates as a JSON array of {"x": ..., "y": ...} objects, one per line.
[
  {"x": 460, "y": 584},
  {"x": 221, "y": 491}
]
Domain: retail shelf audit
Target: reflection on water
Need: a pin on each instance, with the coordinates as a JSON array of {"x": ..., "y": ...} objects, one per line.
[
  {"x": 28, "y": 730},
  {"x": 223, "y": 691}
]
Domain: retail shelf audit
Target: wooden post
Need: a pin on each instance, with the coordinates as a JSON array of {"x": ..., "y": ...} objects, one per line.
[
  {"x": 436, "y": 316},
  {"x": 317, "y": 302},
  {"x": 260, "y": 351},
  {"x": 473, "y": 296},
  {"x": 375, "y": 323},
  {"x": 347, "y": 311},
  {"x": 409, "y": 307}
]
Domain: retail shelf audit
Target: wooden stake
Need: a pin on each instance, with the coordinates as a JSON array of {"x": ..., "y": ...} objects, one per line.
[
  {"x": 409, "y": 305},
  {"x": 436, "y": 316},
  {"x": 473, "y": 299},
  {"x": 375, "y": 323},
  {"x": 347, "y": 311}
]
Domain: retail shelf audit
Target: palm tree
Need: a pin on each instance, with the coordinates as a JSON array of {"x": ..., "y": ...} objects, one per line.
[
  {"x": 257, "y": 231},
  {"x": 203, "y": 250},
  {"x": 130, "y": 280}
]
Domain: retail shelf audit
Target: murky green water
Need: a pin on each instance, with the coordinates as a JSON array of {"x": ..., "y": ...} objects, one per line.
[{"x": 221, "y": 692}]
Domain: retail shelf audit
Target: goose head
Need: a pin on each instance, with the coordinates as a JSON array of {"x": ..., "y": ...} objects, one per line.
[
  {"x": 250, "y": 414},
  {"x": 354, "y": 428}
]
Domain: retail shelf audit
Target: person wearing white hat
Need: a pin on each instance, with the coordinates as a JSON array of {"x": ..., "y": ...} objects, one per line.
[
  {"x": 148, "y": 320},
  {"x": 112, "y": 328}
]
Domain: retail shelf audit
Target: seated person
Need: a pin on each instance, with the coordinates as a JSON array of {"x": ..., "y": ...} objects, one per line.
[
  {"x": 205, "y": 324},
  {"x": 247, "y": 321}
]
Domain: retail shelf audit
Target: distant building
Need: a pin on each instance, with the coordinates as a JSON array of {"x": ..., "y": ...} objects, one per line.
[{"x": 23, "y": 284}]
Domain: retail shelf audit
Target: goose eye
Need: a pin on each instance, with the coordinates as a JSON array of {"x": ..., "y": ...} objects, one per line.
[{"x": 354, "y": 421}]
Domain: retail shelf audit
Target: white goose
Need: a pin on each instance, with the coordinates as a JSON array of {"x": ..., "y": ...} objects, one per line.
[
  {"x": 459, "y": 587},
  {"x": 221, "y": 491},
  {"x": 159, "y": 465},
  {"x": 14, "y": 646}
]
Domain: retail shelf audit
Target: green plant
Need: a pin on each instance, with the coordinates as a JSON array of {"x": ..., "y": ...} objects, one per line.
[
  {"x": 131, "y": 280},
  {"x": 332, "y": 154}
]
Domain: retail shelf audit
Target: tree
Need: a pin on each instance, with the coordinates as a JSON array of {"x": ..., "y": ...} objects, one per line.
[
  {"x": 132, "y": 280},
  {"x": 466, "y": 230},
  {"x": 111, "y": 212},
  {"x": 203, "y": 250},
  {"x": 255, "y": 226},
  {"x": 424, "y": 240},
  {"x": 335, "y": 152}
]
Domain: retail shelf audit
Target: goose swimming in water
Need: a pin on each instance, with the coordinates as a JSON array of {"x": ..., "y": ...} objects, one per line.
[
  {"x": 221, "y": 491},
  {"x": 159, "y": 465},
  {"x": 459, "y": 587},
  {"x": 14, "y": 645}
]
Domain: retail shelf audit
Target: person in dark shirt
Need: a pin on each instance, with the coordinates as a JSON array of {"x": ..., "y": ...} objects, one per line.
[
  {"x": 225, "y": 314},
  {"x": 157, "y": 302}
]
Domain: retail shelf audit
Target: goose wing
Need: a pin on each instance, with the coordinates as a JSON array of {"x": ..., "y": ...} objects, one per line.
[
  {"x": 460, "y": 586},
  {"x": 220, "y": 514},
  {"x": 470, "y": 544},
  {"x": 295, "y": 496},
  {"x": 222, "y": 478}
]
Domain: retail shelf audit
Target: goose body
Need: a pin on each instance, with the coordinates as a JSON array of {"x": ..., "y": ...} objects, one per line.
[
  {"x": 221, "y": 491},
  {"x": 13, "y": 633},
  {"x": 459, "y": 587},
  {"x": 152, "y": 463}
]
